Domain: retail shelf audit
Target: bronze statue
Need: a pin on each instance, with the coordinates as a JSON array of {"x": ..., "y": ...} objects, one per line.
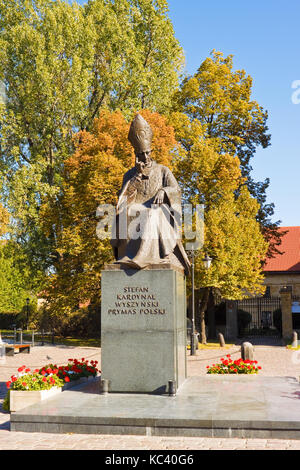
[{"x": 150, "y": 199}]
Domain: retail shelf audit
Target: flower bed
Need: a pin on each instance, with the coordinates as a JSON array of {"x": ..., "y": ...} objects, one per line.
[
  {"x": 230, "y": 366},
  {"x": 30, "y": 381},
  {"x": 49, "y": 377},
  {"x": 74, "y": 370}
]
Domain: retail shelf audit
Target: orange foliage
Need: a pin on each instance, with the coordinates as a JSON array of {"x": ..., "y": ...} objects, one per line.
[
  {"x": 4, "y": 220},
  {"x": 164, "y": 141},
  {"x": 93, "y": 176}
]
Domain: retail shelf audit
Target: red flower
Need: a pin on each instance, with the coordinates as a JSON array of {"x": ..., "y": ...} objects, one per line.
[
  {"x": 8, "y": 384},
  {"x": 24, "y": 384},
  {"x": 44, "y": 379},
  {"x": 27, "y": 370},
  {"x": 67, "y": 379}
]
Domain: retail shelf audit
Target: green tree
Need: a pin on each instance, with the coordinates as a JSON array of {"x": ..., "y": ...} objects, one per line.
[
  {"x": 15, "y": 283},
  {"x": 46, "y": 58},
  {"x": 137, "y": 58},
  {"x": 61, "y": 64}
]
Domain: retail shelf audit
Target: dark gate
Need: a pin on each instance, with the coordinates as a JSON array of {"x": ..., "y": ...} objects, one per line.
[{"x": 259, "y": 316}]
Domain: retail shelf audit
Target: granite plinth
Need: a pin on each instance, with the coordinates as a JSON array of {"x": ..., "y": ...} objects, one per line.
[
  {"x": 143, "y": 328},
  {"x": 208, "y": 406}
]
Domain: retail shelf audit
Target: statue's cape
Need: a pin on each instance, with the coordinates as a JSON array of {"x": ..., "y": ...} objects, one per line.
[{"x": 161, "y": 225}]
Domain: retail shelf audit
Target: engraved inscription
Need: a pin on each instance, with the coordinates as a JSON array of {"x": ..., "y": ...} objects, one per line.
[{"x": 136, "y": 301}]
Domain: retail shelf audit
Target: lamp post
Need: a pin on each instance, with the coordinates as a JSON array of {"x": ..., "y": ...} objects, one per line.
[
  {"x": 193, "y": 339},
  {"x": 207, "y": 262},
  {"x": 27, "y": 312}
]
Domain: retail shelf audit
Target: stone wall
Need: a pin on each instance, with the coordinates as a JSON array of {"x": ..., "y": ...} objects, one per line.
[{"x": 278, "y": 280}]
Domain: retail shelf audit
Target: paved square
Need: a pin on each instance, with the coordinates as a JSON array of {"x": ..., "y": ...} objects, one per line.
[{"x": 275, "y": 361}]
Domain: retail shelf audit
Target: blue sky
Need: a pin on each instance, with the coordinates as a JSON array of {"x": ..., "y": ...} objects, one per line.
[{"x": 263, "y": 37}]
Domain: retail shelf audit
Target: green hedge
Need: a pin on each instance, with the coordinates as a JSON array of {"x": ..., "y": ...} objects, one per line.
[
  {"x": 244, "y": 318},
  {"x": 7, "y": 320}
]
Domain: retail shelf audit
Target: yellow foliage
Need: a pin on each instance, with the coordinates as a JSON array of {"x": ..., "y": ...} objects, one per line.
[{"x": 232, "y": 236}]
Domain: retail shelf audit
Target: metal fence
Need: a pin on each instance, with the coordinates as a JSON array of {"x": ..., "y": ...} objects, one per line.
[
  {"x": 265, "y": 316},
  {"x": 34, "y": 338}
]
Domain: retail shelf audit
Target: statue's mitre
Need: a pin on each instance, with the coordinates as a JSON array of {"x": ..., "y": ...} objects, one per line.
[{"x": 140, "y": 134}]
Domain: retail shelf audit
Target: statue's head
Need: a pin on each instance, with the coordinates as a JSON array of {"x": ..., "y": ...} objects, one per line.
[{"x": 140, "y": 136}]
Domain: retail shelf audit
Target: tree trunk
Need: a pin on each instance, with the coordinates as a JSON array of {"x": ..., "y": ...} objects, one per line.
[{"x": 203, "y": 306}]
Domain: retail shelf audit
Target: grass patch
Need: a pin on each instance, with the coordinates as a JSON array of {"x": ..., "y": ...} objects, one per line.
[
  {"x": 78, "y": 342},
  {"x": 47, "y": 338}
]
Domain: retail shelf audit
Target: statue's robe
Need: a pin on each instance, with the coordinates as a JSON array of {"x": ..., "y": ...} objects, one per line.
[{"x": 153, "y": 232}]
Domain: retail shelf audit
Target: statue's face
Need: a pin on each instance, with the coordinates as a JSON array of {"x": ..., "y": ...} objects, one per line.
[{"x": 144, "y": 157}]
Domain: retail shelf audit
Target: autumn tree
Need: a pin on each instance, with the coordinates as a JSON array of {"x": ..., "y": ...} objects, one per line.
[
  {"x": 220, "y": 99},
  {"x": 232, "y": 235},
  {"x": 92, "y": 177}
]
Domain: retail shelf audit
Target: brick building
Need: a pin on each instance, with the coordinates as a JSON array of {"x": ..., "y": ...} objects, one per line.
[
  {"x": 284, "y": 270},
  {"x": 282, "y": 281}
]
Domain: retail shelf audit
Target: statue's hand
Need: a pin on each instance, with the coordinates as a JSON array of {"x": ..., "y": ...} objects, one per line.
[{"x": 159, "y": 198}]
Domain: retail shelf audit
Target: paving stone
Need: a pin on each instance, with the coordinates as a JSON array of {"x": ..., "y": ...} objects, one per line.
[{"x": 274, "y": 360}]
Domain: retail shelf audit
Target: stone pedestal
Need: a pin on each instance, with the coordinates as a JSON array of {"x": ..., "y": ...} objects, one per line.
[{"x": 143, "y": 328}]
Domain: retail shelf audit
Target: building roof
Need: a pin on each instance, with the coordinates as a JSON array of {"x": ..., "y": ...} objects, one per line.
[{"x": 289, "y": 261}]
